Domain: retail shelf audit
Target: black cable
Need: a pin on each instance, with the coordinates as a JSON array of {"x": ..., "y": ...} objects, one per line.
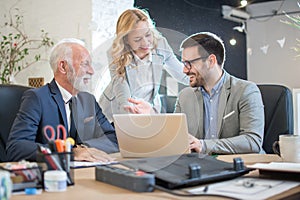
[
  {"x": 275, "y": 13},
  {"x": 201, "y": 7},
  {"x": 190, "y": 194}
]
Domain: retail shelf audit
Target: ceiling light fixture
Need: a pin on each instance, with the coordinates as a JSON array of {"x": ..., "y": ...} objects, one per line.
[
  {"x": 232, "y": 41},
  {"x": 244, "y": 3}
]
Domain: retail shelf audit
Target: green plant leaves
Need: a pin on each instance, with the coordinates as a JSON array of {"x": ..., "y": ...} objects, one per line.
[{"x": 17, "y": 50}]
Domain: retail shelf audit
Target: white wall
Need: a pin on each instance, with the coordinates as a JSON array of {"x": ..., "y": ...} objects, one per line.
[
  {"x": 60, "y": 18},
  {"x": 92, "y": 21},
  {"x": 277, "y": 65}
]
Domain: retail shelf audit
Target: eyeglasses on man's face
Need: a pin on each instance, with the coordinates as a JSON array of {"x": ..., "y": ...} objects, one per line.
[{"x": 188, "y": 63}]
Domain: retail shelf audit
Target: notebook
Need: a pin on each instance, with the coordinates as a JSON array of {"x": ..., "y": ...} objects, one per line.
[{"x": 141, "y": 135}]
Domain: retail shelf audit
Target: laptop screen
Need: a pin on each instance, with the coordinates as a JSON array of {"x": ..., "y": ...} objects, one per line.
[{"x": 141, "y": 135}]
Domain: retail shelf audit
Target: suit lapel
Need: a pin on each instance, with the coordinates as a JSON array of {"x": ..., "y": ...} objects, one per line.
[
  {"x": 157, "y": 62},
  {"x": 56, "y": 95},
  {"x": 225, "y": 93},
  {"x": 199, "y": 113}
]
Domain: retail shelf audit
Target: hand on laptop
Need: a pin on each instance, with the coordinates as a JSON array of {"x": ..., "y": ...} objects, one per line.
[
  {"x": 91, "y": 155},
  {"x": 195, "y": 143},
  {"x": 139, "y": 107}
]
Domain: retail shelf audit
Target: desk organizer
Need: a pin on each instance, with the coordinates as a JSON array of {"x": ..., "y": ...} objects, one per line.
[
  {"x": 58, "y": 161},
  {"x": 25, "y": 177}
]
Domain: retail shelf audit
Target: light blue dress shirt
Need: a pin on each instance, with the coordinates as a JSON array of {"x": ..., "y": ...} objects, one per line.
[{"x": 211, "y": 105}]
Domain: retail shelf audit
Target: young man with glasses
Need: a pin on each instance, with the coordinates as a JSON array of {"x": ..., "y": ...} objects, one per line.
[{"x": 225, "y": 114}]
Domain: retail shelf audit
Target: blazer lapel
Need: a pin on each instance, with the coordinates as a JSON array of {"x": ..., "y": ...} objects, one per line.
[
  {"x": 199, "y": 114},
  {"x": 56, "y": 95},
  {"x": 157, "y": 62},
  {"x": 78, "y": 113},
  {"x": 225, "y": 93}
]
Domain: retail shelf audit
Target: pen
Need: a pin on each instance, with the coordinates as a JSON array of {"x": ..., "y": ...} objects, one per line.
[
  {"x": 68, "y": 151},
  {"x": 59, "y": 144},
  {"x": 68, "y": 148}
]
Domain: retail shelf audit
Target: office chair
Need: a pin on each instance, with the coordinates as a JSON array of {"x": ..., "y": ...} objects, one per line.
[
  {"x": 278, "y": 108},
  {"x": 167, "y": 103},
  {"x": 10, "y": 99}
]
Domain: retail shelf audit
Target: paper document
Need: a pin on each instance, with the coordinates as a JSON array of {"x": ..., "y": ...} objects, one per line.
[
  {"x": 80, "y": 164},
  {"x": 277, "y": 166},
  {"x": 246, "y": 188}
]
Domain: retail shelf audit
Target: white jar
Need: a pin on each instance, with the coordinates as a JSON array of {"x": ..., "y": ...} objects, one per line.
[{"x": 55, "y": 181}]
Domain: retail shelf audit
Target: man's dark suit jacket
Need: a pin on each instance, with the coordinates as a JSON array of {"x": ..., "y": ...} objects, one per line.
[{"x": 45, "y": 106}]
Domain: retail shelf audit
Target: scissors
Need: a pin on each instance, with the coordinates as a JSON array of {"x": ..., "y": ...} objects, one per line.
[
  {"x": 60, "y": 129},
  {"x": 56, "y": 144}
]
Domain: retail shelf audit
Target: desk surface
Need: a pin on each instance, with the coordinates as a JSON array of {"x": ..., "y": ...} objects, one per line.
[{"x": 86, "y": 187}]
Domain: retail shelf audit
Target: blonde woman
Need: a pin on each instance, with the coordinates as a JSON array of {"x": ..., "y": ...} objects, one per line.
[{"x": 137, "y": 58}]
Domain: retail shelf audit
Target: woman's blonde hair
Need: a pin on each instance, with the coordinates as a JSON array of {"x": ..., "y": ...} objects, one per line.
[{"x": 121, "y": 52}]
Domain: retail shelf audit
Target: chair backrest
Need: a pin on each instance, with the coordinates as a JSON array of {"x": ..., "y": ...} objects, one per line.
[
  {"x": 278, "y": 107},
  {"x": 10, "y": 99}
]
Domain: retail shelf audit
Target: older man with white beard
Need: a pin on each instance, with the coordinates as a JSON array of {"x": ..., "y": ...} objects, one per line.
[{"x": 52, "y": 105}]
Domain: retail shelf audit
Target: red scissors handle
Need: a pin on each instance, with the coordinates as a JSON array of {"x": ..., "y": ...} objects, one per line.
[
  {"x": 52, "y": 132},
  {"x": 61, "y": 129}
]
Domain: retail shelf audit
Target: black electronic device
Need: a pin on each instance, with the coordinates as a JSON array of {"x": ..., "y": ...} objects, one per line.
[
  {"x": 188, "y": 169},
  {"x": 137, "y": 181}
]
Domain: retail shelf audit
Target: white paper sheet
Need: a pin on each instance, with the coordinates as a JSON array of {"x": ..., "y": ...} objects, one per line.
[
  {"x": 277, "y": 166},
  {"x": 80, "y": 164},
  {"x": 247, "y": 188}
]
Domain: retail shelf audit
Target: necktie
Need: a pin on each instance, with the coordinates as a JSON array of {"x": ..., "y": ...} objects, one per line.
[{"x": 73, "y": 131}]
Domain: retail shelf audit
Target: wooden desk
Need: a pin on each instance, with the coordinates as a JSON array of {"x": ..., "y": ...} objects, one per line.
[{"x": 86, "y": 187}]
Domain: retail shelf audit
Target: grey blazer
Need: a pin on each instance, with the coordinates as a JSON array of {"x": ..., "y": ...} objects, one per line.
[
  {"x": 240, "y": 119},
  {"x": 116, "y": 94}
]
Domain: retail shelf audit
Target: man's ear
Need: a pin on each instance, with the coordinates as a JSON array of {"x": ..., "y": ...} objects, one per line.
[
  {"x": 62, "y": 66},
  {"x": 212, "y": 59}
]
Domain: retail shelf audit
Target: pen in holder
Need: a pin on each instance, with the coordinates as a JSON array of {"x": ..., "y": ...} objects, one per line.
[{"x": 58, "y": 161}]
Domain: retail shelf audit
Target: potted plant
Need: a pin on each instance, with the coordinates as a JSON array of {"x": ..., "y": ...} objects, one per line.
[{"x": 17, "y": 50}]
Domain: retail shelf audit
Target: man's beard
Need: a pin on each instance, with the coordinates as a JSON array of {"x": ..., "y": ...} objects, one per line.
[
  {"x": 77, "y": 82},
  {"x": 80, "y": 85}
]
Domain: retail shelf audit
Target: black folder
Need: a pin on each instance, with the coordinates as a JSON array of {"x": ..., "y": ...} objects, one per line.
[{"x": 187, "y": 170}]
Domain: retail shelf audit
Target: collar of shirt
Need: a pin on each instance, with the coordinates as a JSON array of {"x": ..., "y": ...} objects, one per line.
[
  {"x": 144, "y": 61},
  {"x": 216, "y": 88},
  {"x": 65, "y": 94}
]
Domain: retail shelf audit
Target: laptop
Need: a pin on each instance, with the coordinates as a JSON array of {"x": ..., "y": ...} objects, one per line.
[{"x": 142, "y": 136}]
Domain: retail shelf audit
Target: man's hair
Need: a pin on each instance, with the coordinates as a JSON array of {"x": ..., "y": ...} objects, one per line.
[
  {"x": 63, "y": 51},
  {"x": 208, "y": 43}
]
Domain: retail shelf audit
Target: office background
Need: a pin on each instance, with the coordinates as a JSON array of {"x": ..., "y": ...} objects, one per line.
[
  {"x": 263, "y": 52},
  {"x": 74, "y": 18}
]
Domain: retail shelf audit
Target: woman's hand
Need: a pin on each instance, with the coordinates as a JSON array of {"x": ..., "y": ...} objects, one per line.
[{"x": 139, "y": 107}]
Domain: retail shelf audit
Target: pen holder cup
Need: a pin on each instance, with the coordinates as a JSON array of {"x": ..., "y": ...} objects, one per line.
[{"x": 59, "y": 161}]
